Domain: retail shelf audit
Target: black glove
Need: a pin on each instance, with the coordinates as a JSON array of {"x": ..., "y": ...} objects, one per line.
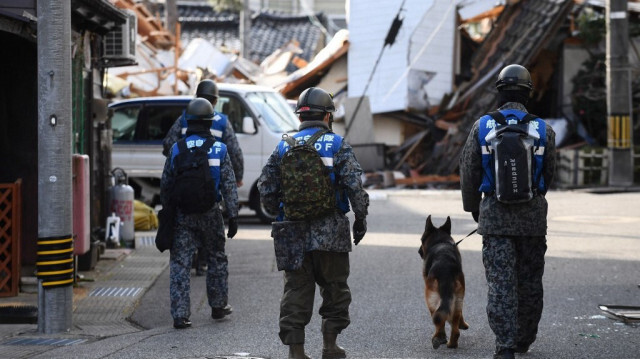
[
  {"x": 475, "y": 215},
  {"x": 233, "y": 227},
  {"x": 359, "y": 229}
]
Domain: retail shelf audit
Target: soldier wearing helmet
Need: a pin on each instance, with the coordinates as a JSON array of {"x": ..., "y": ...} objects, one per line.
[
  {"x": 221, "y": 129},
  {"x": 200, "y": 229},
  {"x": 326, "y": 240},
  {"x": 513, "y": 234}
]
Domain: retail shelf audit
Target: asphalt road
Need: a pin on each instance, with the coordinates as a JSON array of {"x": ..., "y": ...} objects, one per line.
[{"x": 593, "y": 258}]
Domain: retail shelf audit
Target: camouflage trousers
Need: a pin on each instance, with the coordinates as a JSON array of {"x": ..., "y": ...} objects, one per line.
[
  {"x": 192, "y": 231},
  {"x": 330, "y": 271},
  {"x": 514, "y": 267}
]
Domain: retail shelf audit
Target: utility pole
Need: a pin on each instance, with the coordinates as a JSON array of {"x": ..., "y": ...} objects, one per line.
[
  {"x": 245, "y": 29},
  {"x": 619, "y": 128},
  {"x": 55, "y": 268}
]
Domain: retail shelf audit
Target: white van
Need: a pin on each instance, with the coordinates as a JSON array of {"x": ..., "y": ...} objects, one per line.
[{"x": 259, "y": 116}]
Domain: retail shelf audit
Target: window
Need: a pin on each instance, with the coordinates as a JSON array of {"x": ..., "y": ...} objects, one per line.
[
  {"x": 124, "y": 122},
  {"x": 234, "y": 109},
  {"x": 275, "y": 111},
  {"x": 160, "y": 118}
]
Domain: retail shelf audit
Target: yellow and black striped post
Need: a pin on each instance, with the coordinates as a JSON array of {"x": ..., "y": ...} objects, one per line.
[
  {"x": 55, "y": 170},
  {"x": 619, "y": 97},
  {"x": 619, "y": 131},
  {"x": 54, "y": 265}
]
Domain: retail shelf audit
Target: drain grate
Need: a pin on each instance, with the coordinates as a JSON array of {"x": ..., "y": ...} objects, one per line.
[
  {"x": 44, "y": 341},
  {"x": 146, "y": 241},
  {"x": 115, "y": 292}
]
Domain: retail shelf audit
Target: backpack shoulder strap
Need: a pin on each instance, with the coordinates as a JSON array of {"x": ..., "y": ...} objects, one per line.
[
  {"x": 498, "y": 116},
  {"x": 316, "y": 136},
  {"x": 529, "y": 117},
  {"x": 182, "y": 146},
  {"x": 208, "y": 143}
]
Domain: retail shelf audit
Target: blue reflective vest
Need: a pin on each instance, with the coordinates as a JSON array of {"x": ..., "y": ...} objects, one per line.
[
  {"x": 487, "y": 123},
  {"x": 327, "y": 146},
  {"x": 218, "y": 126},
  {"x": 216, "y": 155}
]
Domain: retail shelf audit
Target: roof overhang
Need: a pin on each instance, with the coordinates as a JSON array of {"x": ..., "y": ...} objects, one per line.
[
  {"x": 23, "y": 10},
  {"x": 315, "y": 73},
  {"x": 99, "y": 16}
]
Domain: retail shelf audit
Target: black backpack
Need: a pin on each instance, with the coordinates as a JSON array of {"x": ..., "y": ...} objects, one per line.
[
  {"x": 513, "y": 150},
  {"x": 194, "y": 190},
  {"x": 307, "y": 191}
]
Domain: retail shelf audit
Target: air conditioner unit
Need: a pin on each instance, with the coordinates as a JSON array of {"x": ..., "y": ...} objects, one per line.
[{"x": 119, "y": 45}]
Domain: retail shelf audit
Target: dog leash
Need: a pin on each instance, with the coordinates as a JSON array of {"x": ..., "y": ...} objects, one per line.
[{"x": 472, "y": 232}]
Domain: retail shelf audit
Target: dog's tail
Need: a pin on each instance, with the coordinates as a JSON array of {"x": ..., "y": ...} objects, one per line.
[{"x": 446, "y": 297}]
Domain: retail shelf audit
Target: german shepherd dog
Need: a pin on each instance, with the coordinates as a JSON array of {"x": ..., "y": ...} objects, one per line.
[{"x": 443, "y": 282}]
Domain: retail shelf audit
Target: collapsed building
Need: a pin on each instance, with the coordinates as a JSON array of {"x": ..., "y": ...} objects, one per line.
[{"x": 409, "y": 111}]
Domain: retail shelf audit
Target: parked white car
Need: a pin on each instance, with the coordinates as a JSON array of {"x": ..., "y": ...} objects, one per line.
[{"x": 259, "y": 116}]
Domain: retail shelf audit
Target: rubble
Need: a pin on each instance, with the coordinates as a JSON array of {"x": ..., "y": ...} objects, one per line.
[{"x": 525, "y": 32}]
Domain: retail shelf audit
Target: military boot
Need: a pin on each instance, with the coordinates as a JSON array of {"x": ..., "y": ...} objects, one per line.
[
  {"x": 296, "y": 351},
  {"x": 219, "y": 313},
  {"x": 331, "y": 350},
  {"x": 504, "y": 354}
]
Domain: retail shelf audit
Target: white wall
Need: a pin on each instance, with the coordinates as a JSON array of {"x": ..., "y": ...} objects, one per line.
[
  {"x": 431, "y": 48},
  {"x": 368, "y": 26},
  {"x": 426, "y": 43},
  {"x": 388, "y": 131}
]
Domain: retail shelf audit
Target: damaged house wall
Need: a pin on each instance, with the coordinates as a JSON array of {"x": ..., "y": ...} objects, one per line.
[
  {"x": 417, "y": 70},
  {"x": 414, "y": 73},
  {"x": 432, "y": 55},
  {"x": 368, "y": 26},
  {"x": 522, "y": 32}
]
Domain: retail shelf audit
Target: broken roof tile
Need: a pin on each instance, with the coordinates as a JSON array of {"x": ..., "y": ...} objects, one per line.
[{"x": 269, "y": 30}]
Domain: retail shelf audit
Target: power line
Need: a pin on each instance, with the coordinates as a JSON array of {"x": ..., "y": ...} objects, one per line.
[{"x": 390, "y": 39}]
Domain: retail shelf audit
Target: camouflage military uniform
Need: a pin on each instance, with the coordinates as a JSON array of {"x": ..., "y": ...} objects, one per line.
[
  {"x": 200, "y": 230},
  {"x": 228, "y": 138},
  {"x": 237, "y": 161},
  {"x": 514, "y": 245},
  {"x": 327, "y": 243}
]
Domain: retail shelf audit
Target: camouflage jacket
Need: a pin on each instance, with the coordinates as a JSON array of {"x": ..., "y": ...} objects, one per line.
[
  {"x": 228, "y": 187},
  {"x": 496, "y": 218},
  {"x": 331, "y": 233},
  {"x": 228, "y": 138}
]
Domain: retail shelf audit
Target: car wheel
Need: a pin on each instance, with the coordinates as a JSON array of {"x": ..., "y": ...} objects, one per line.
[{"x": 264, "y": 215}]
